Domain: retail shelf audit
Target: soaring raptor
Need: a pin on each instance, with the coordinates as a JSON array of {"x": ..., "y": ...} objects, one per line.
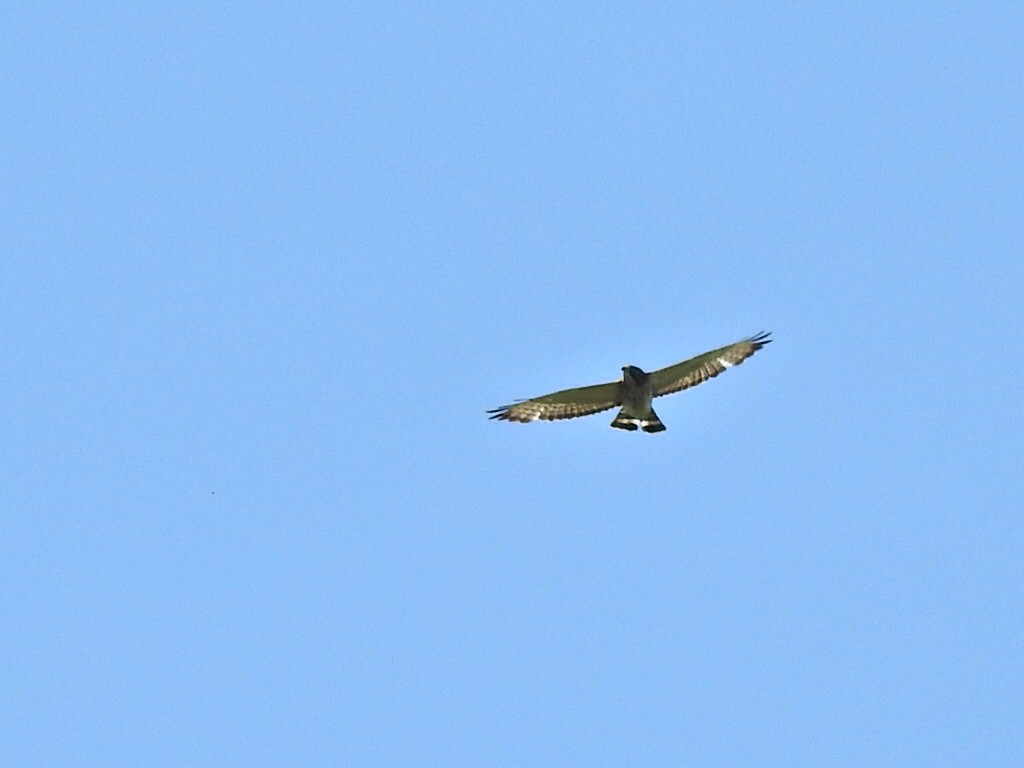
[{"x": 635, "y": 392}]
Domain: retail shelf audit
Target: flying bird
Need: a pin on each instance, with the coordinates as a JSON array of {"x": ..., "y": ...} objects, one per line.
[{"x": 634, "y": 393}]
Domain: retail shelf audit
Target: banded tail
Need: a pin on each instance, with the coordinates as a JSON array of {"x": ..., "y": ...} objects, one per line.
[{"x": 650, "y": 421}]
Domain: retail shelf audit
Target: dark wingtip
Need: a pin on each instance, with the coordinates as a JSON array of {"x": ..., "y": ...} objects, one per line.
[
  {"x": 761, "y": 338},
  {"x": 499, "y": 413},
  {"x": 502, "y": 412}
]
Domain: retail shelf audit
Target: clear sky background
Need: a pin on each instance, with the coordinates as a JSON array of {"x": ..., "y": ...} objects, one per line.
[{"x": 265, "y": 266}]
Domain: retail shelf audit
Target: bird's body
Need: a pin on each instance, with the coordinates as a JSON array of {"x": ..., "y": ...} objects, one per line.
[
  {"x": 634, "y": 392},
  {"x": 636, "y": 395}
]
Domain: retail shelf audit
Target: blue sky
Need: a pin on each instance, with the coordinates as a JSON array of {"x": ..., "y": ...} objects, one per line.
[{"x": 265, "y": 267}]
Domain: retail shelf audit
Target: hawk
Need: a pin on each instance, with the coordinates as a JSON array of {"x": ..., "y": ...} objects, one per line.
[{"x": 634, "y": 393}]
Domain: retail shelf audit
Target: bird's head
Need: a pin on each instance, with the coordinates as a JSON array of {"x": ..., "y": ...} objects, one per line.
[{"x": 633, "y": 373}]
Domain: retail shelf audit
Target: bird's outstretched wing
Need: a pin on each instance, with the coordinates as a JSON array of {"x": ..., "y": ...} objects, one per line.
[
  {"x": 692, "y": 372},
  {"x": 567, "y": 404}
]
